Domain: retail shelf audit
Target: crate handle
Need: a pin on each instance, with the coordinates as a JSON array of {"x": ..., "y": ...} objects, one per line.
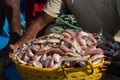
[{"x": 69, "y": 59}]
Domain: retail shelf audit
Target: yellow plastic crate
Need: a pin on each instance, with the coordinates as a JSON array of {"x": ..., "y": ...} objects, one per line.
[{"x": 89, "y": 72}]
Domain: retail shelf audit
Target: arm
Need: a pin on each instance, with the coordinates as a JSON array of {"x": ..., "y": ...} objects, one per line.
[
  {"x": 51, "y": 11},
  {"x": 12, "y": 10},
  {"x": 33, "y": 29}
]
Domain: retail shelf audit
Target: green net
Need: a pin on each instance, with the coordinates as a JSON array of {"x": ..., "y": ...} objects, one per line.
[{"x": 63, "y": 22}]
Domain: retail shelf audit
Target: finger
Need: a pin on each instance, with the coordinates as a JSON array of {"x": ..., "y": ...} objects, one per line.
[
  {"x": 103, "y": 67},
  {"x": 10, "y": 55},
  {"x": 103, "y": 70},
  {"x": 12, "y": 47},
  {"x": 107, "y": 62}
]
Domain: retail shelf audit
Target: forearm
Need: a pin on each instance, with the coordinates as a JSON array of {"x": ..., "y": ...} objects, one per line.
[
  {"x": 15, "y": 19},
  {"x": 13, "y": 14},
  {"x": 36, "y": 26}
]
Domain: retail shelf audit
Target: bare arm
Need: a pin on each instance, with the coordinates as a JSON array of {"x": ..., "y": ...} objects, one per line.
[
  {"x": 12, "y": 10},
  {"x": 33, "y": 29}
]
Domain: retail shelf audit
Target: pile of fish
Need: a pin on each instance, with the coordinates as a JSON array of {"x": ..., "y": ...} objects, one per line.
[{"x": 49, "y": 51}]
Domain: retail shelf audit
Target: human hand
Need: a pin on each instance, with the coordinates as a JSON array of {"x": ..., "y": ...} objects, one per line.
[
  {"x": 110, "y": 61},
  {"x": 13, "y": 48},
  {"x": 112, "y": 66},
  {"x": 105, "y": 66}
]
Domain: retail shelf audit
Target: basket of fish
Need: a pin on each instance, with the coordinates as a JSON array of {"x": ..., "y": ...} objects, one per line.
[{"x": 67, "y": 55}]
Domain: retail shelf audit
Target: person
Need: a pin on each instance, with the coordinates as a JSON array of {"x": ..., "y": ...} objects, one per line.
[
  {"x": 33, "y": 8},
  {"x": 8, "y": 16},
  {"x": 10, "y": 32},
  {"x": 93, "y": 15}
]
